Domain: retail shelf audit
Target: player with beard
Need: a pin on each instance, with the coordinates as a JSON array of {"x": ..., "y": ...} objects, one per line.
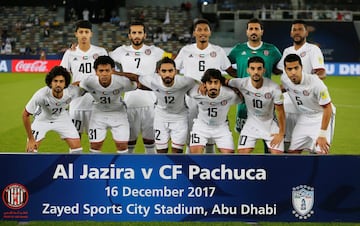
[
  {"x": 48, "y": 105},
  {"x": 313, "y": 63},
  {"x": 170, "y": 120},
  {"x": 79, "y": 61},
  {"x": 240, "y": 54},
  {"x": 140, "y": 59},
  {"x": 194, "y": 59},
  {"x": 314, "y": 126},
  {"x": 261, "y": 95},
  {"x": 211, "y": 122}
]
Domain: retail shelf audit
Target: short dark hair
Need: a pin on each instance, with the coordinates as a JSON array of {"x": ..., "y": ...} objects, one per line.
[
  {"x": 165, "y": 60},
  {"x": 201, "y": 21},
  {"x": 255, "y": 21},
  {"x": 83, "y": 24},
  {"x": 56, "y": 71},
  {"x": 292, "y": 58},
  {"x": 213, "y": 73},
  {"x": 300, "y": 22},
  {"x": 256, "y": 59},
  {"x": 137, "y": 23},
  {"x": 104, "y": 60}
]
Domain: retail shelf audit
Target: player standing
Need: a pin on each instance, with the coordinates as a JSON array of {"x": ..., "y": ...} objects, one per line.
[
  {"x": 314, "y": 126},
  {"x": 194, "y": 59},
  {"x": 48, "y": 106},
  {"x": 80, "y": 62},
  {"x": 211, "y": 122},
  {"x": 261, "y": 95},
  {"x": 240, "y": 54},
  {"x": 140, "y": 59},
  {"x": 109, "y": 110},
  {"x": 171, "y": 113}
]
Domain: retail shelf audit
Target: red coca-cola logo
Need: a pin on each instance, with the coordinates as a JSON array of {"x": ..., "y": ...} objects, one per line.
[
  {"x": 33, "y": 65},
  {"x": 36, "y": 66}
]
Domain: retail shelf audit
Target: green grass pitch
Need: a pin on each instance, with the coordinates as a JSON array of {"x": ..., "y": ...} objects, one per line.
[{"x": 17, "y": 88}]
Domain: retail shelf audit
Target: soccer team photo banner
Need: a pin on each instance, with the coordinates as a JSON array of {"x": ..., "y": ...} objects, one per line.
[{"x": 291, "y": 188}]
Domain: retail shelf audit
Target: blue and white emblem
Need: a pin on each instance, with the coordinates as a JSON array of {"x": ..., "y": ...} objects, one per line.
[{"x": 303, "y": 201}]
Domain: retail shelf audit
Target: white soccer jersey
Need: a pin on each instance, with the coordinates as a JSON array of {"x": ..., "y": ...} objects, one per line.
[
  {"x": 108, "y": 98},
  {"x": 81, "y": 65},
  {"x": 170, "y": 104},
  {"x": 141, "y": 62},
  {"x": 45, "y": 107},
  {"x": 213, "y": 111},
  {"x": 309, "y": 95},
  {"x": 310, "y": 54},
  {"x": 259, "y": 102},
  {"x": 193, "y": 62}
]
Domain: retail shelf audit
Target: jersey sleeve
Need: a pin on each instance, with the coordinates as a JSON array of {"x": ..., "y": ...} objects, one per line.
[
  {"x": 278, "y": 95},
  {"x": 33, "y": 103},
  {"x": 179, "y": 59},
  {"x": 317, "y": 59},
  {"x": 322, "y": 92},
  {"x": 146, "y": 80},
  {"x": 65, "y": 60}
]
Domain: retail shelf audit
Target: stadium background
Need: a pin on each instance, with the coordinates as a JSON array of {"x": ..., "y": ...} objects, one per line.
[{"x": 228, "y": 28}]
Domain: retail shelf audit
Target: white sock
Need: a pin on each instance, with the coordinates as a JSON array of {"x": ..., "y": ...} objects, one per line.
[
  {"x": 95, "y": 151},
  {"x": 126, "y": 151},
  {"x": 150, "y": 148},
  {"x": 75, "y": 150}
]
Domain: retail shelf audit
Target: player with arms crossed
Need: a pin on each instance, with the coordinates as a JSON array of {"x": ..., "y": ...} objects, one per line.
[
  {"x": 80, "y": 62},
  {"x": 109, "y": 110},
  {"x": 140, "y": 59},
  {"x": 240, "y": 54},
  {"x": 48, "y": 105},
  {"x": 171, "y": 113},
  {"x": 194, "y": 59},
  {"x": 211, "y": 122},
  {"x": 314, "y": 127},
  {"x": 261, "y": 95},
  {"x": 313, "y": 63}
]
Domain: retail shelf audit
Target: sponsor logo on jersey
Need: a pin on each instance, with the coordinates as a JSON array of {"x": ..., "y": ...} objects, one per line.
[
  {"x": 15, "y": 196},
  {"x": 303, "y": 201},
  {"x": 244, "y": 53},
  {"x": 191, "y": 56},
  {"x": 75, "y": 59}
]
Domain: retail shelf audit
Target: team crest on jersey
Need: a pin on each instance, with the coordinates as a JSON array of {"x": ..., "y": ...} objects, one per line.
[
  {"x": 224, "y": 102},
  {"x": 306, "y": 93},
  {"x": 302, "y": 54},
  {"x": 147, "y": 51},
  {"x": 213, "y": 54},
  {"x": 95, "y": 56},
  {"x": 85, "y": 57},
  {"x": 268, "y": 95},
  {"x": 266, "y": 52},
  {"x": 202, "y": 55},
  {"x": 303, "y": 201}
]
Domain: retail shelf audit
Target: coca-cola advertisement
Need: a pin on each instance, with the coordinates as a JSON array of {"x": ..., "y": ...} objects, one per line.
[{"x": 33, "y": 65}]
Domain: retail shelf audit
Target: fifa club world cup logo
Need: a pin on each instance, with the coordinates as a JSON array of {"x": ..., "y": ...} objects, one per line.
[{"x": 15, "y": 196}]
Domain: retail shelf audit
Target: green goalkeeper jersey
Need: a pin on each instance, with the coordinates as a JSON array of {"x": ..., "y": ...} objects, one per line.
[{"x": 242, "y": 52}]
